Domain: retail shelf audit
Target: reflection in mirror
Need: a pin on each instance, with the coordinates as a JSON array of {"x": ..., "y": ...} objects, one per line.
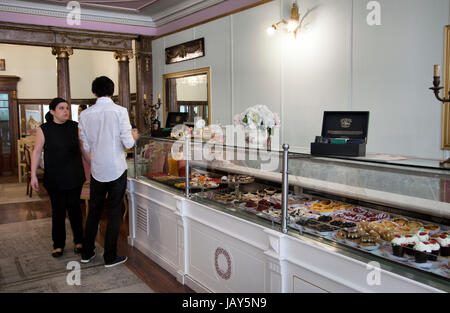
[{"x": 188, "y": 92}]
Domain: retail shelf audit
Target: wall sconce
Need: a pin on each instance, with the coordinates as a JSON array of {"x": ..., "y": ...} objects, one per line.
[
  {"x": 151, "y": 110},
  {"x": 436, "y": 89},
  {"x": 292, "y": 25},
  {"x": 436, "y": 84}
]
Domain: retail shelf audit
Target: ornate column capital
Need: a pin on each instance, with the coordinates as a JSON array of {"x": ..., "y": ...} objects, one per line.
[
  {"x": 62, "y": 52},
  {"x": 123, "y": 55}
]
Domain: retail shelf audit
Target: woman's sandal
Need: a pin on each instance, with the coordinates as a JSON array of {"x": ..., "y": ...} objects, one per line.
[{"x": 57, "y": 254}]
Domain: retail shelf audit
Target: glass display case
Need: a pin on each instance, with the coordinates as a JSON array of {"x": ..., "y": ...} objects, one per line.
[{"x": 395, "y": 214}]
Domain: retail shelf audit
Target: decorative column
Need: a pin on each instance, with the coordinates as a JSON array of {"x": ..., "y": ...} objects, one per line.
[
  {"x": 124, "y": 77},
  {"x": 144, "y": 82},
  {"x": 62, "y": 59}
]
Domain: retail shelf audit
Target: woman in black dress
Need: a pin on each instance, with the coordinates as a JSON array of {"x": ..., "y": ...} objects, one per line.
[{"x": 63, "y": 172}]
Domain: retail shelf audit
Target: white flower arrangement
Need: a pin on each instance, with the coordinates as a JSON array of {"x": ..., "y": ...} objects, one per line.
[{"x": 258, "y": 117}]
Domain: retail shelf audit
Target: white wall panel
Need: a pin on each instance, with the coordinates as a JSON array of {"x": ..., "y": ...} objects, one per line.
[
  {"x": 218, "y": 58},
  {"x": 316, "y": 69},
  {"x": 256, "y": 59},
  {"x": 158, "y": 61},
  {"x": 393, "y": 68}
]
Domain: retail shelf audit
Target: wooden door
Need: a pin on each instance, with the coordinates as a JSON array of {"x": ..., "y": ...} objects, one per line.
[
  {"x": 9, "y": 122},
  {"x": 5, "y": 135}
]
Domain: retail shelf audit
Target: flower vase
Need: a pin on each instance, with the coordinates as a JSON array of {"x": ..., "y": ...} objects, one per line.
[{"x": 258, "y": 139}]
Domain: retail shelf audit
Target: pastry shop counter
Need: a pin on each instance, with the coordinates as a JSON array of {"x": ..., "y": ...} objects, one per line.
[
  {"x": 213, "y": 244},
  {"x": 358, "y": 216}
]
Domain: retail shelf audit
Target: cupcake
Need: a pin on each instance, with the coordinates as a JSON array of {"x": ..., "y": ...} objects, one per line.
[
  {"x": 435, "y": 247},
  {"x": 422, "y": 236},
  {"x": 410, "y": 240},
  {"x": 398, "y": 244},
  {"x": 421, "y": 251},
  {"x": 444, "y": 242}
]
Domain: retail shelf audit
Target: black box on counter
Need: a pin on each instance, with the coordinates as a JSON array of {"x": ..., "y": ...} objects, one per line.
[
  {"x": 176, "y": 118},
  {"x": 173, "y": 119},
  {"x": 162, "y": 132},
  {"x": 344, "y": 133}
]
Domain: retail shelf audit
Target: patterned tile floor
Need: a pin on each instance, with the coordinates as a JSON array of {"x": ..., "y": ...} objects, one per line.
[{"x": 27, "y": 266}]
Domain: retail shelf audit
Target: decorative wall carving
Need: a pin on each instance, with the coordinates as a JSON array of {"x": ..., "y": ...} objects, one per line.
[
  {"x": 186, "y": 51},
  {"x": 53, "y": 36}
]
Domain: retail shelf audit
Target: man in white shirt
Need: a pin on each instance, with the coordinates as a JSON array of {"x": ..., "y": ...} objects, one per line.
[{"x": 105, "y": 131}]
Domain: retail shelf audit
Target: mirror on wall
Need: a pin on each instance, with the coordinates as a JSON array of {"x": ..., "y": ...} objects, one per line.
[{"x": 188, "y": 92}]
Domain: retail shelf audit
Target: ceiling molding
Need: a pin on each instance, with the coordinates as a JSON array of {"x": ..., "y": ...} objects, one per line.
[
  {"x": 98, "y": 4},
  {"x": 181, "y": 10},
  {"x": 61, "y": 12},
  {"x": 130, "y": 17}
]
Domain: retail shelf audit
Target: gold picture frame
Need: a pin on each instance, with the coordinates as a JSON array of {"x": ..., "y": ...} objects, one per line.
[
  {"x": 2, "y": 65},
  {"x": 446, "y": 106},
  {"x": 205, "y": 70}
]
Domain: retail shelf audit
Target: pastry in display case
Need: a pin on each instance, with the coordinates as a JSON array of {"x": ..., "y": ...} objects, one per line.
[{"x": 380, "y": 229}]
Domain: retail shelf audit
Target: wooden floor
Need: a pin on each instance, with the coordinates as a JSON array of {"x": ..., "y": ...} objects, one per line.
[{"x": 151, "y": 273}]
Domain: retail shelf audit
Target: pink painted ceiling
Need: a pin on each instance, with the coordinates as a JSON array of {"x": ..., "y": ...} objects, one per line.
[{"x": 136, "y": 5}]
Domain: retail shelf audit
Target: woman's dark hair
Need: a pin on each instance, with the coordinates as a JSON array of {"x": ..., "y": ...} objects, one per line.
[
  {"x": 103, "y": 86},
  {"x": 83, "y": 107},
  {"x": 52, "y": 106}
]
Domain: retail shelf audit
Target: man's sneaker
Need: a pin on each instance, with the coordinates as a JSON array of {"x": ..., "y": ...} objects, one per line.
[
  {"x": 86, "y": 258},
  {"x": 118, "y": 260}
]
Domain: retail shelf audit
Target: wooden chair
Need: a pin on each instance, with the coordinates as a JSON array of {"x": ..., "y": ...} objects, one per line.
[
  {"x": 21, "y": 162},
  {"x": 86, "y": 195},
  {"x": 39, "y": 172}
]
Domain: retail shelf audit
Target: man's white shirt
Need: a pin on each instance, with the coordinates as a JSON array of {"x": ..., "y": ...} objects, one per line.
[{"x": 105, "y": 130}]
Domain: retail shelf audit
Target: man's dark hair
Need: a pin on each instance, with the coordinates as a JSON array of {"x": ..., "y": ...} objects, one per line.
[{"x": 103, "y": 87}]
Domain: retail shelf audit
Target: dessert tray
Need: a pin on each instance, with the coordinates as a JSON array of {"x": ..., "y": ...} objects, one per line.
[
  {"x": 362, "y": 228},
  {"x": 439, "y": 267},
  {"x": 198, "y": 181}
]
